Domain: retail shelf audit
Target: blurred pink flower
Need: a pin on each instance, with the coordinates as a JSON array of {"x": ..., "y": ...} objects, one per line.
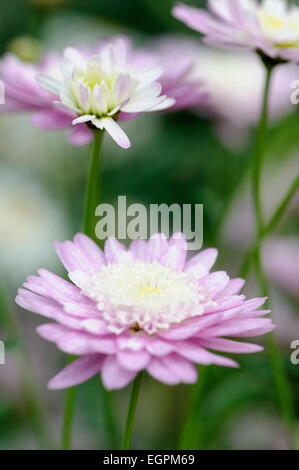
[
  {"x": 179, "y": 58},
  {"x": 234, "y": 81},
  {"x": 24, "y": 94},
  {"x": 141, "y": 308},
  {"x": 270, "y": 27}
]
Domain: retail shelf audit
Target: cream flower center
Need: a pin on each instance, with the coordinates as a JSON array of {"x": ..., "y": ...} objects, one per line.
[
  {"x": 145, "y": 296},
  {"x": 99, "y": 89},
  {"x": 279, "y": 25}
]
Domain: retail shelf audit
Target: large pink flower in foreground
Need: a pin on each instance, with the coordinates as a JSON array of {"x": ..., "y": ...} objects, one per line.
[
  {"x": 269, "y": 26},
  {"x": 141, "y": 308}
]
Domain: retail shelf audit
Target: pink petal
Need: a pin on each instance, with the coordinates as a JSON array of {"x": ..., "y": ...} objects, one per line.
[
  {"x": 77, "y": 372},
  {"x": 116, "y": 252},
  {"x": 226, "y": 303},
  {"x": 76, "y": 342},
  {"x": 156, "y": 248},
  {"x": 257, "y": 332},
  {"x": 84, "y": 96},
  {"x": 253, "y": 304},
  {"x": 184, "y": 370},
  {"x": 158, "y": 369},
  {"x": 193, "y": 352},
  {"x": 95, "y": 326},
  {"x": 236, "y": 327},
  {"x": 131, "y": 341},
  {"x": 157, "y": 347},
  {"x": 183, "y": 331},
  {"x": 214, "y": 283},
  {"x": 176, "y": 254},
  {"x": 229, "y": 346},
  {"x": 37, "y": 304},
  {"x": 73, "y": 258},
  {"x": 52, "y": 119},
  {"x": 138, "y": 248},
  {"x": 81, "y": 309},
  {"x": 114, "y": 376},
  {"x": 58, "y": 288},
  {"x": 122, "y": 86},
  {"x": 133, "y": 360},
  {"x": 201, "y": 263},
  {"x": 80, "y": 278},
  {"x": 37, "y": 285},
  {"x": 51, "y": 331},
  {"x": 90, "y": 249},
  {"x": 81, "y": 135},
  {"x": 233, "y": 287}
]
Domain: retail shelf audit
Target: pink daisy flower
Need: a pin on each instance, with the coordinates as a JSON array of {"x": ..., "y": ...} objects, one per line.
[
  {"x": 145, "y": 307},
  {"x": 270, "y": 26}
]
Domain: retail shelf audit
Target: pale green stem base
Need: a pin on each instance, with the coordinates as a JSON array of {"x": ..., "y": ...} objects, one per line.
[
  {"x": 70, "y": 397},
  {"x": 92, "y": 190},
  {"x": 126, "y": 442}
]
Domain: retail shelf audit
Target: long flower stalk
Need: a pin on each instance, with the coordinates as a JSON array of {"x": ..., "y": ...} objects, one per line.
[
  {"x": 126, "y": 442},
  {"x": 271, "y": 225},
  {"x": 279, "y": 374},
  {"x": 93, "y": 186},
  {"x": 89, "y": 220}
]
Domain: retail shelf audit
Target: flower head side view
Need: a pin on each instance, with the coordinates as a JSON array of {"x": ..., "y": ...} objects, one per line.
[
  {"x": 106, "y": 87},
  {"x": 270, "y": 27},
  {"x": 113, "y": 71},
  {"x": 142, "y": 308}
]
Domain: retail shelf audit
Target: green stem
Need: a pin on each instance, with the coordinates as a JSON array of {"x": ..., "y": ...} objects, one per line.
[
  {"x": 68, "y": 418},
  {"x": 89, "y": 221},
  {"x": 191, "y": 434},
  {"x": 283, "y": 388},
  {"x": 92, "y": 191},
  {"x": 268, "y": 229},
  {"x": 126, "y": 442},
  {"x": 281, "y": 208},
  {"x": 279, "y": 374},
  {"x": 260, "y": 153},
  {"x": 108, "y": 415}
]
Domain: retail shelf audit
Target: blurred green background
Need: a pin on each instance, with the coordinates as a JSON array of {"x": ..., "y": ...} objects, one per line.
[{"x": 174, "y": 158}]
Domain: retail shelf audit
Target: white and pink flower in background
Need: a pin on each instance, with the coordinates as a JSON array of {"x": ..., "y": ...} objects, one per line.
[
  {"x": 111, "y": 81},
  {"x": 100, "y": 88},
  {"x": 270, "y": 27}
]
